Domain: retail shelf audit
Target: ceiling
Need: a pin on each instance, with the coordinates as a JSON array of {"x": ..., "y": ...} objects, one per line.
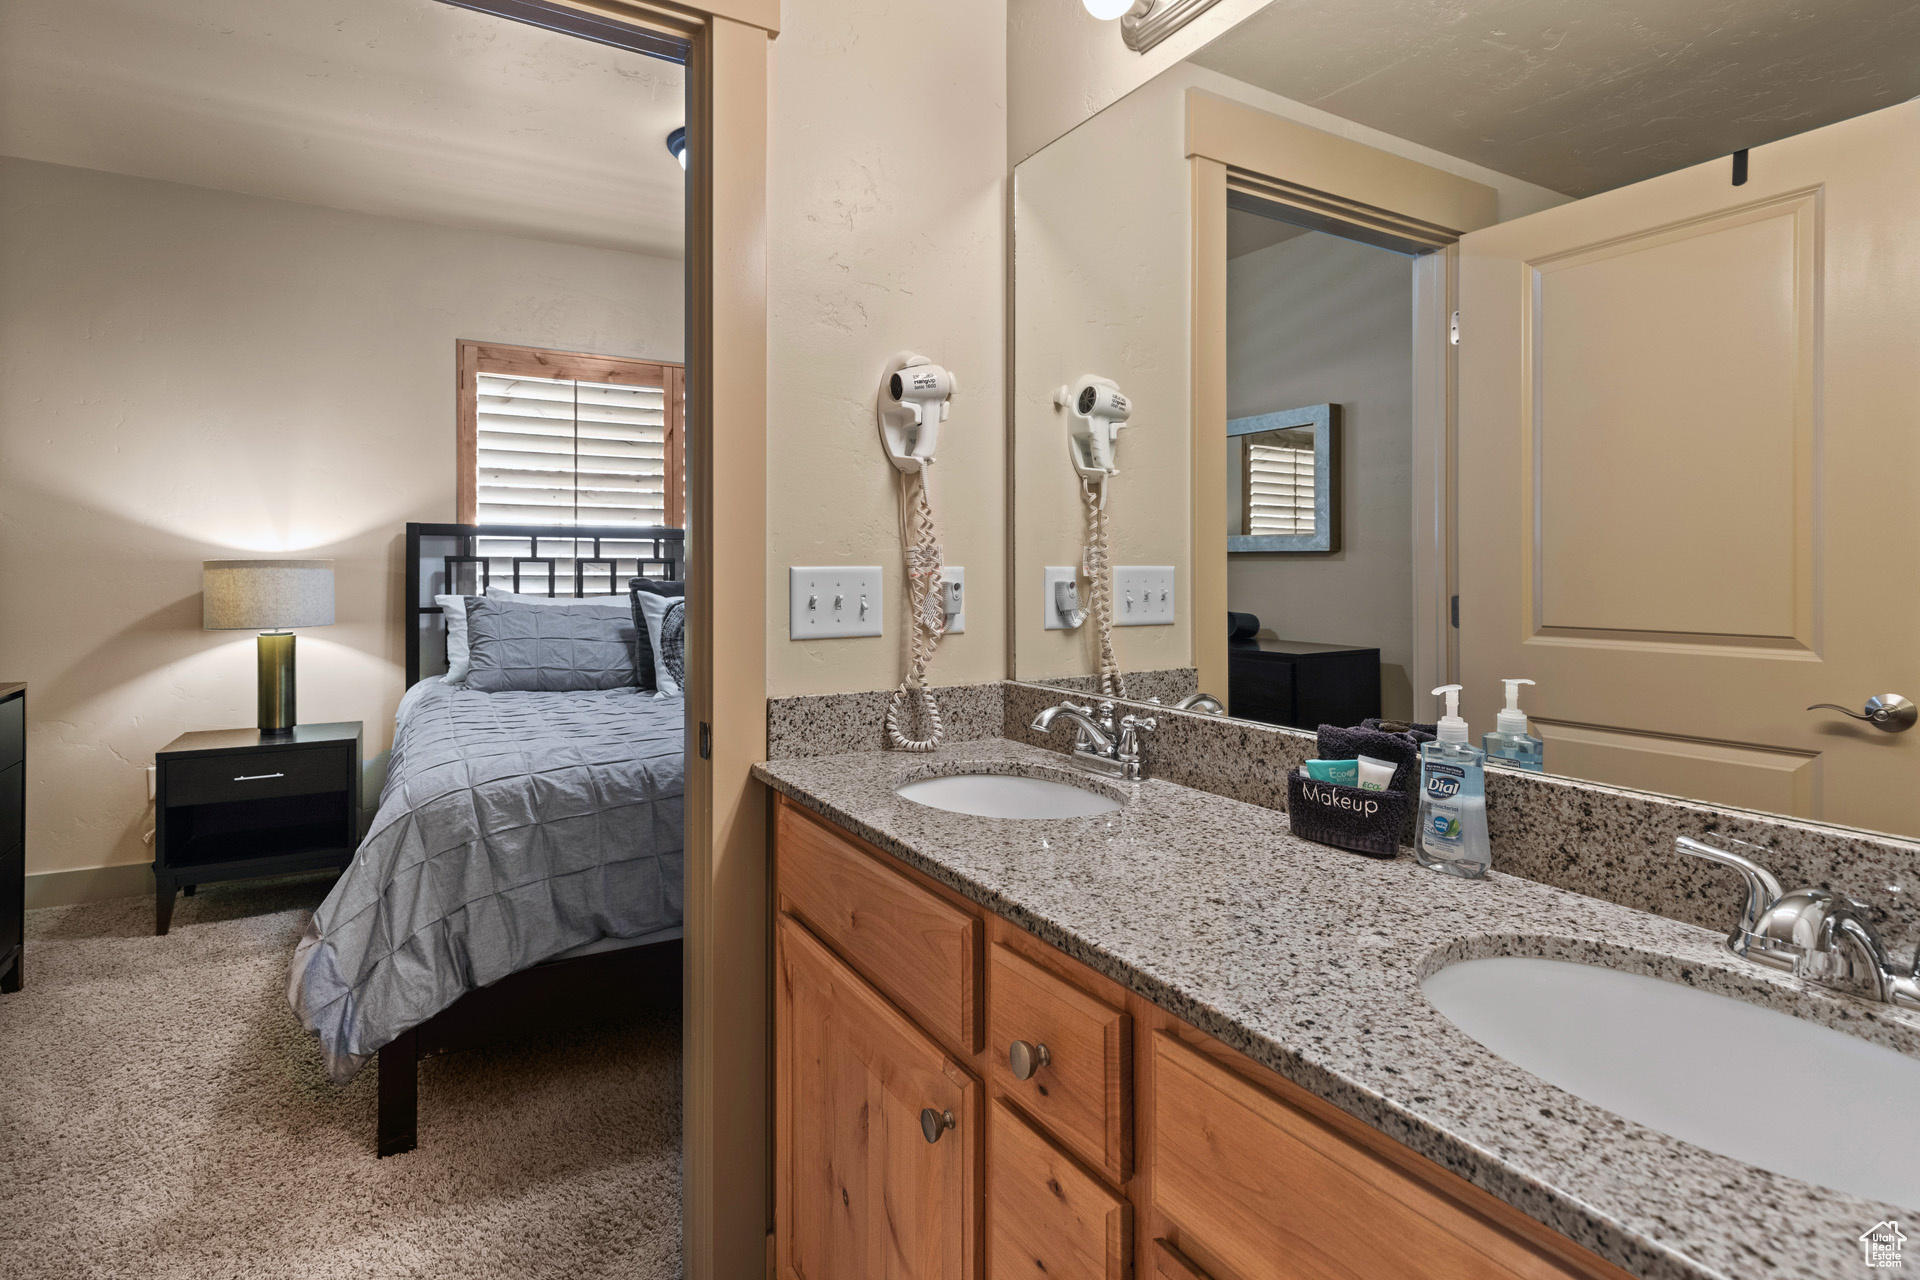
[
  {"x": 408, "y": 108},
  {"x": 1581, "y": 95}
]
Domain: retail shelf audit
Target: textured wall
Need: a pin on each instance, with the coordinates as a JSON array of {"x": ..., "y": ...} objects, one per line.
[
  {"x": 189, "y": 374},
  {"x": 1312, "y": 320},
  {"x": 886, "y": 231}
]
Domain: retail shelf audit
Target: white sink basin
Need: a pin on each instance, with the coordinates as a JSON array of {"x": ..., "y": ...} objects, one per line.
[
  {"x": 1000, "y": 795},
  {"x": 1760, "y": 1086}
]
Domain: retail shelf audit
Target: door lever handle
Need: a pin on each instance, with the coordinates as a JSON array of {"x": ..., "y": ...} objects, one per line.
[{"x": 1886, "y": 711}]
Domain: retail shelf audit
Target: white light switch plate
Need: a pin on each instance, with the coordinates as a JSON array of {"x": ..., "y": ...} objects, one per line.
[
  {"x": 824, "y": 602},
  {"x": 954, "y": 582},
  {"x": 1057, "y": 573},
  {"x": 1143, "y": 595}
]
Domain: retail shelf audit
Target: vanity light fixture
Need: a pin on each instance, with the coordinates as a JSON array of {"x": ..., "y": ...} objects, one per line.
[
  {"x": 677, "y": 144},
  {"x": 1145, "y": 23}
]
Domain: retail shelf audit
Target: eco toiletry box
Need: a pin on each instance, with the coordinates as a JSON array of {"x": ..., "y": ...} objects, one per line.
[{"x": 1360, "y": 821}]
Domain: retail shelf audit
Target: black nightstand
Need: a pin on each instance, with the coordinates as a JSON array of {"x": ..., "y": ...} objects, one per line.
[
  {"x": 235, "y": 803},
  {"x": 13, "y": 834}
]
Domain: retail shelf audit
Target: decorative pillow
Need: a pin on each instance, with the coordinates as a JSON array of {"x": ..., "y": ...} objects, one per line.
[
  {"x": 547, "y": 648},
  {"x": 653, "y": 610},
  {"x": 454, "y": 610},
  {"x": 642, "y": 640},
  {"x": 673, "y": 642}
]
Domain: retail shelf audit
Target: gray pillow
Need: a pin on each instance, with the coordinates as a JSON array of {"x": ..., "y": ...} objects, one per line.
[
  {"x": 642, "y": 642},
  {"x": 547, "y": 648},
  {"x": 673, "y": 642}
]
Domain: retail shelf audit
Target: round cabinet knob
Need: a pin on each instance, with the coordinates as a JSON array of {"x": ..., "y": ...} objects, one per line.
[
  {"x": 934, "y": 1123},
  {"x": 1025, "y": 1059}
]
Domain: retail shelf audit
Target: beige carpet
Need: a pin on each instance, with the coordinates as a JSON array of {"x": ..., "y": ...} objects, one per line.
[{"x": 162, "y": 1115}]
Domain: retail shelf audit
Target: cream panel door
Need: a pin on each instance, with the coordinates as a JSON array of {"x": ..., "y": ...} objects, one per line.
[{"x": 1689, "y": 447}]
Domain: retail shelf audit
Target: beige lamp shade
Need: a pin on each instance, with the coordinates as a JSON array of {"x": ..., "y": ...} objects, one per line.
[{"x": 266, "y": 595}]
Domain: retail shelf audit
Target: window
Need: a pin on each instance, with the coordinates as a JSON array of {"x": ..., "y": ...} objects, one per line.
[
  {"x": 557, "y": 438},
  {"x": 1279, "y": 485}
]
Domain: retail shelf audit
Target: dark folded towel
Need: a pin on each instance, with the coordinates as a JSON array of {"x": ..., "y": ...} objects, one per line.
[
  {"x": 1399, "y": 748},
  {"x": 1418, "y": 732}
]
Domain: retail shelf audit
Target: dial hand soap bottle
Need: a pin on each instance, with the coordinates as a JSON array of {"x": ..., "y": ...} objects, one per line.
[{"x": 1452, "y": 836}]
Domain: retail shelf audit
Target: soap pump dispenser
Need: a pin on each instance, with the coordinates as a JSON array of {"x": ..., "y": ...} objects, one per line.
[
  {"x": 1510, "y": 743},
  {"x": 1453, "y": 798}
]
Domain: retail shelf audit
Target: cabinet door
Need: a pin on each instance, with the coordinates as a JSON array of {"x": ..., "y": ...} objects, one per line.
[
  {"x": 1047, "y": 1218},
  {"x": 861, "y": 1190}
]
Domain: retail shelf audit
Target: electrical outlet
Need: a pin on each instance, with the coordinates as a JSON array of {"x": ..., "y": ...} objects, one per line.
[
  {"x": 953, "y": 585},
  {"x": 153, "y": 782},
  {"x": 1050, "y": 610},
  {"x": 824, "y": 602},
  {"x": 1143, "y": 595}
]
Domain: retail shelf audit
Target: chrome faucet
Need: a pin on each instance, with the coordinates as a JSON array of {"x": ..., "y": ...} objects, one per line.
[
  {"x": 1811, "y": 933},
  {"x": 1099, "y": 742},
  {"x": 1203, "y": 703}
]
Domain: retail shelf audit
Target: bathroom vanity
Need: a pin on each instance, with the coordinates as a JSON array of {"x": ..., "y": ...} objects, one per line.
[
  {"x": 1172, "y": 1040},
  {"x": 956, "y": 1097}
]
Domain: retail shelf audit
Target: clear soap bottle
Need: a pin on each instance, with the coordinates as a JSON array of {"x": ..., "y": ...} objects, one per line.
[
  {"x": 1452, "y": 836},
  {"x": 1510, "y": 743}
]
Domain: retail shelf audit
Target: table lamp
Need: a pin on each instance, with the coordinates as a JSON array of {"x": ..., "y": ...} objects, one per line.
[{"x": 269, "y": 596}]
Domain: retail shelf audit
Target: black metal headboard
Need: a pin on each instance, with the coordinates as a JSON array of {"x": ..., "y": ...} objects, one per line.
[{"x": 552, "y": 560}]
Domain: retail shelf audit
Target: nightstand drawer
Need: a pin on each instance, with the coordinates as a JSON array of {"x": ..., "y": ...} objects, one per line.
[
  {"x": 13, "y": 804},
  {"x": 13, "y": 732},
  {"x": 218, "y": 779}
]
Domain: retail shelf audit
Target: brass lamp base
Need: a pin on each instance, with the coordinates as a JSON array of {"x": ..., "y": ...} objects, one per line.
[{"x": 276, "y": 683}]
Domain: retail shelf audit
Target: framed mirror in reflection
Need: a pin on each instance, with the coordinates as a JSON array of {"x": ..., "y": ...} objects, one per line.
[
  {"x": 1410, "y": 389},
  {"x": 1284, "y": 480}
]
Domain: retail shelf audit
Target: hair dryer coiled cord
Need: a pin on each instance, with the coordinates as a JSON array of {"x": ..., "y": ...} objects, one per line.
[
  {"x": 1093, "y": 562},
  {"x": 927, "y": 612}
]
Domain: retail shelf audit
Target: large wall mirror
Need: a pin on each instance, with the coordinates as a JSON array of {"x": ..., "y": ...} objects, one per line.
[{"x": 1546, "y": 384}]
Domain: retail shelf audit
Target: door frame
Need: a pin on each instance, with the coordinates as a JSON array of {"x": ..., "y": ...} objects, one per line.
[
  {"x": 1252, "y": 159},
  {"x": 727, "y": 1135}
]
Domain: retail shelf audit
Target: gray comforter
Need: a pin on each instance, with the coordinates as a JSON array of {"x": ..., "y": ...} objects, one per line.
[{"x": 512, "y": 827}]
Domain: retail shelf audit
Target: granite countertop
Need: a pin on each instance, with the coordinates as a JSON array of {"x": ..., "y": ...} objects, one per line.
[{"x": 1309, "y": 960}]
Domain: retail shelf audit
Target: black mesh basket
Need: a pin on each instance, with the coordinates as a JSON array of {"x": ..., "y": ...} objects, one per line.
[{"x": 1369, "y": 822}]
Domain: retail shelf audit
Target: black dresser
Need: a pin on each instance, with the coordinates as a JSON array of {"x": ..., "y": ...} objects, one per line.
[
  {"x": 1302, "y": 684},
  {"x": 235, "y": 803},
  {"x": 13, "y": 835}
]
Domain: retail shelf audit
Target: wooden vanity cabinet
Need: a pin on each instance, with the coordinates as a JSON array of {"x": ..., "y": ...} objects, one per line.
[
  {"x": 1140, "y": 1147},
  {"x": 879, "y": 1132}
]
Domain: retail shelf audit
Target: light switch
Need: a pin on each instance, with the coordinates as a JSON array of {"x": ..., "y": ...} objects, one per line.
[
  {"x": 1143, "y": 595},
  {"x": 824, "y": 602}
]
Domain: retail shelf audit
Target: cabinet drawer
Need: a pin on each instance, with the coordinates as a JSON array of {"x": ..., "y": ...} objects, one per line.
[
  {"x": 923, "y": 952},
  {"x": 1083, "y": 1091},
  {"x": 13, "y": 805},
  {"x": 13, "y": 732},
  {"x": 1046, "y": 1216},
  {"x": 1260, "y": 1190},
  {"x": 237, "y": 776}
]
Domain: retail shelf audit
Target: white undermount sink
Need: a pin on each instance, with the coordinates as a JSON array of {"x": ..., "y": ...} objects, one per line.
[
  {"x": 1003, "y": 795},
  {"x": 1755, "y": 1084}
]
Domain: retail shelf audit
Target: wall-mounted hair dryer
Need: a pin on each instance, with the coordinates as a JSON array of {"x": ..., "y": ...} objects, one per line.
[
  {"x": 1096, "y": 410},
  {"x": 914, "y": 392}
]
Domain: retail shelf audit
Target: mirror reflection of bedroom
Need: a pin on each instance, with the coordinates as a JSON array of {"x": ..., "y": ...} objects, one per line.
[
  {"x": 1319, "y": 473},
  {"x": 360, "y": 341}
]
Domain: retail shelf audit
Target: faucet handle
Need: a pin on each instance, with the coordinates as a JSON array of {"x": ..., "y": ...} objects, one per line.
[
  {"x": 1145, "y": 724},
  {"x": 1763, "y": 889}
]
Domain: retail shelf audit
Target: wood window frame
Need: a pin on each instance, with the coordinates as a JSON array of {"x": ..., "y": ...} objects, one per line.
[{"x": 472, "y": 358}]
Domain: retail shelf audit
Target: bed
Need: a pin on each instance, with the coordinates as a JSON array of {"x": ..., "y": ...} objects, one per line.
[{"x": 525, "y": 859}]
